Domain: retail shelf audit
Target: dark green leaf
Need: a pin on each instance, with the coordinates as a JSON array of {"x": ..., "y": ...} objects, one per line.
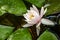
[
  {"x": 47, "y": 35},
  {"x": 16, "y": 7},
  {"x": 54, "y": 6},
  {"x": 38, "y": 3},
  {"x": 5, "y": 31},
  {"x": 21, "y": 34}
]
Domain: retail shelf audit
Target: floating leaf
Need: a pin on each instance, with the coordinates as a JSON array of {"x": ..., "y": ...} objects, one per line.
[
  {"x": 54, "y": 7},
  {"x": 16, "y": 7},
  {"x": 47, "y": 35},
  {"x": 21, "y": 34},
  {"x": 5, "y": 31},
  {"x": 38, "y": 3}
]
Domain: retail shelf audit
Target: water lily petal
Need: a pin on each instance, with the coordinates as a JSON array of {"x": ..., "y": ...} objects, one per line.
[
  {"x": 38, "y": 28},
  {"x": 47, "y": 22},
  {"x": 38, "y": 31},
  {"x": 28, "y": 11},
  {"x": 46, "y": 5},
  {"x": 42, "y": 12},
  {"x": 38, "y": 24},
  {"x": 31, "y": 22},
  {"x": 26, "y": 16},
  {"x": 27, "y": 25},
  {"x": 31, "y": 8},
  {"x": 45, "y": 10},
  {"x": 35, "y": 9}
]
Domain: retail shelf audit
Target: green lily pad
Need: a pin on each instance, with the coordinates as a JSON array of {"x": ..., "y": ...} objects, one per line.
[
  {"x": 54, "y": 6},
  {"x": 38, "y": 3},
  {"x": 47, "y": 35},
  {"x": 21, "y": 34},
  {"x": 16, "y": 7},
  {"x": 5, "y": 31}
]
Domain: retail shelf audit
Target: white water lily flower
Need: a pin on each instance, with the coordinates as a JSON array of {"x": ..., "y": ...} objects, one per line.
[{"x": 33, "y": 16}]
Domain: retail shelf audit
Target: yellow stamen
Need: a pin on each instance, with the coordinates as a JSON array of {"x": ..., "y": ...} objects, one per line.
[{"x": 31, "y": 16}]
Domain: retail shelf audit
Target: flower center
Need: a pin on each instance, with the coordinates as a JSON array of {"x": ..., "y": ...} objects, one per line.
[{"x": 31, "y": 16}]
